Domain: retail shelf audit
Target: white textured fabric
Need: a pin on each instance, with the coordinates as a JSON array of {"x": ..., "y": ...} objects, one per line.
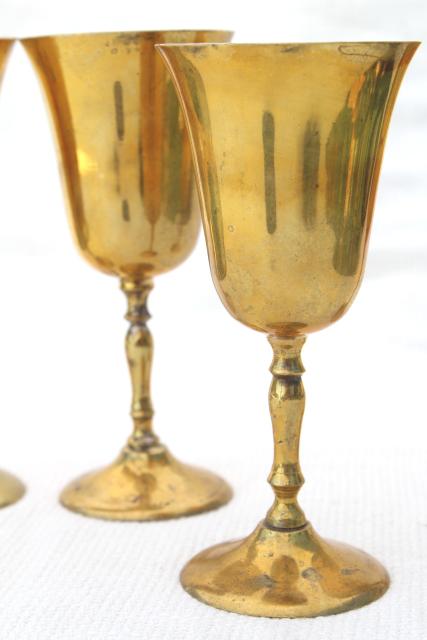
[
  {"x": 64, "y": 409},
  {"x": 65, "y": 388},
  {"x": 69, "y": 577}
]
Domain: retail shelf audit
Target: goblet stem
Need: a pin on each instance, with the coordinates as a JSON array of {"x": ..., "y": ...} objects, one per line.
[
  {"x": 145, "y": 482},
  {"x": 287, "y": 401},
  {"x": 139, "y": 352},
  {"x": 284, "y": 569}
]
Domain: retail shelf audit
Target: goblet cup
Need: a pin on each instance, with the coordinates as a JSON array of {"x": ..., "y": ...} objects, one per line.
[
  {"x": 11, "y": 488},
  {"x": 287, "y": 142},
  {"x": 127, "y": 167}
]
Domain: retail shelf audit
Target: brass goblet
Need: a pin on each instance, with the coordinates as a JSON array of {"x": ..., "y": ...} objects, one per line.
[
  {"x": 11, "y": 488},
  {"x": 128, "y": 173},
  {"x": 287, "y": 141}
]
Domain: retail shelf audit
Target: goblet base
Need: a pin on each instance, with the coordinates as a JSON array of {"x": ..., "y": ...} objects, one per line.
[
  {"x": 284, "y": 574},
  {"x": 146, "y": 485},
  {"x": 11, "y": 489}
]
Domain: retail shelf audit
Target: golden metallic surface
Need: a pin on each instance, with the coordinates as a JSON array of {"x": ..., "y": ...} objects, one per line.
[
  {"x": 146, "y": 485},
  {"x": 125, "y": 155},
  {"x": 11, "y": 488},
  {"x": 287, "y": 142},
  {"x": 280, "y": 574},
  {"x": 127, "y": 168},
  {"x": 5, "y": 49}
]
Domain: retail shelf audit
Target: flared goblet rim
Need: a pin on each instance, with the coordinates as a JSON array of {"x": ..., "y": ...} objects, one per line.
[
  {"x": 111, "y": 34},
  {"x": 272, "y": 45}
]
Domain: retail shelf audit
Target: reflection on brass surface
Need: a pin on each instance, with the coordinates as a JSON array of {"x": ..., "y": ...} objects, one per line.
[
  {"x": 285, "y": 574},
  {"x": 127, "y": 167},
  {"x": 269, "y": 171},
  {"x": 294, "y": 136},
  {"x": 11, "y": 488}
]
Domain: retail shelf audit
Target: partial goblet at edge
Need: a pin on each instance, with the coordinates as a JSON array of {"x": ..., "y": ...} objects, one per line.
[{"x": 11, "y": 488}]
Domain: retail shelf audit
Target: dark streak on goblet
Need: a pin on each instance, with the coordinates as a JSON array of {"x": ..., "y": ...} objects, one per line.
[
  {"x": 125, "y": 211},
  {"x": 118, "y": 103},
  {"x": 268, "y": 133},
  {"x": 310, "y": 172}
]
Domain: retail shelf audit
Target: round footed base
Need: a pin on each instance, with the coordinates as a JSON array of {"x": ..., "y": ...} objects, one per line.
[
  {"x": 284, "y": 574},
  {"x": 147, "y": 485},
  {"x": 11, "y": 489}
]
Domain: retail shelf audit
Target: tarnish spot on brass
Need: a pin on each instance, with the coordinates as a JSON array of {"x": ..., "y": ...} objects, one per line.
[
  {"x": 199, "y": 52},
  {"x": 291, "y": 48},
  {"x": 348, "y": 572},
  {"x": 118, "y": 104},
  {"x": 128, "y": 38},
  {"x": 311, "y": 574},
  {"x": 263, "y": 581},
  {"x": 268, "y": 134},
  {"x": 357, "y": 49},
  {"x": 125, "y": 211}
]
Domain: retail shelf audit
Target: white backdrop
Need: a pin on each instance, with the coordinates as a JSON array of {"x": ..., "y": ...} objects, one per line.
[{"x": 65, "y": 390}]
